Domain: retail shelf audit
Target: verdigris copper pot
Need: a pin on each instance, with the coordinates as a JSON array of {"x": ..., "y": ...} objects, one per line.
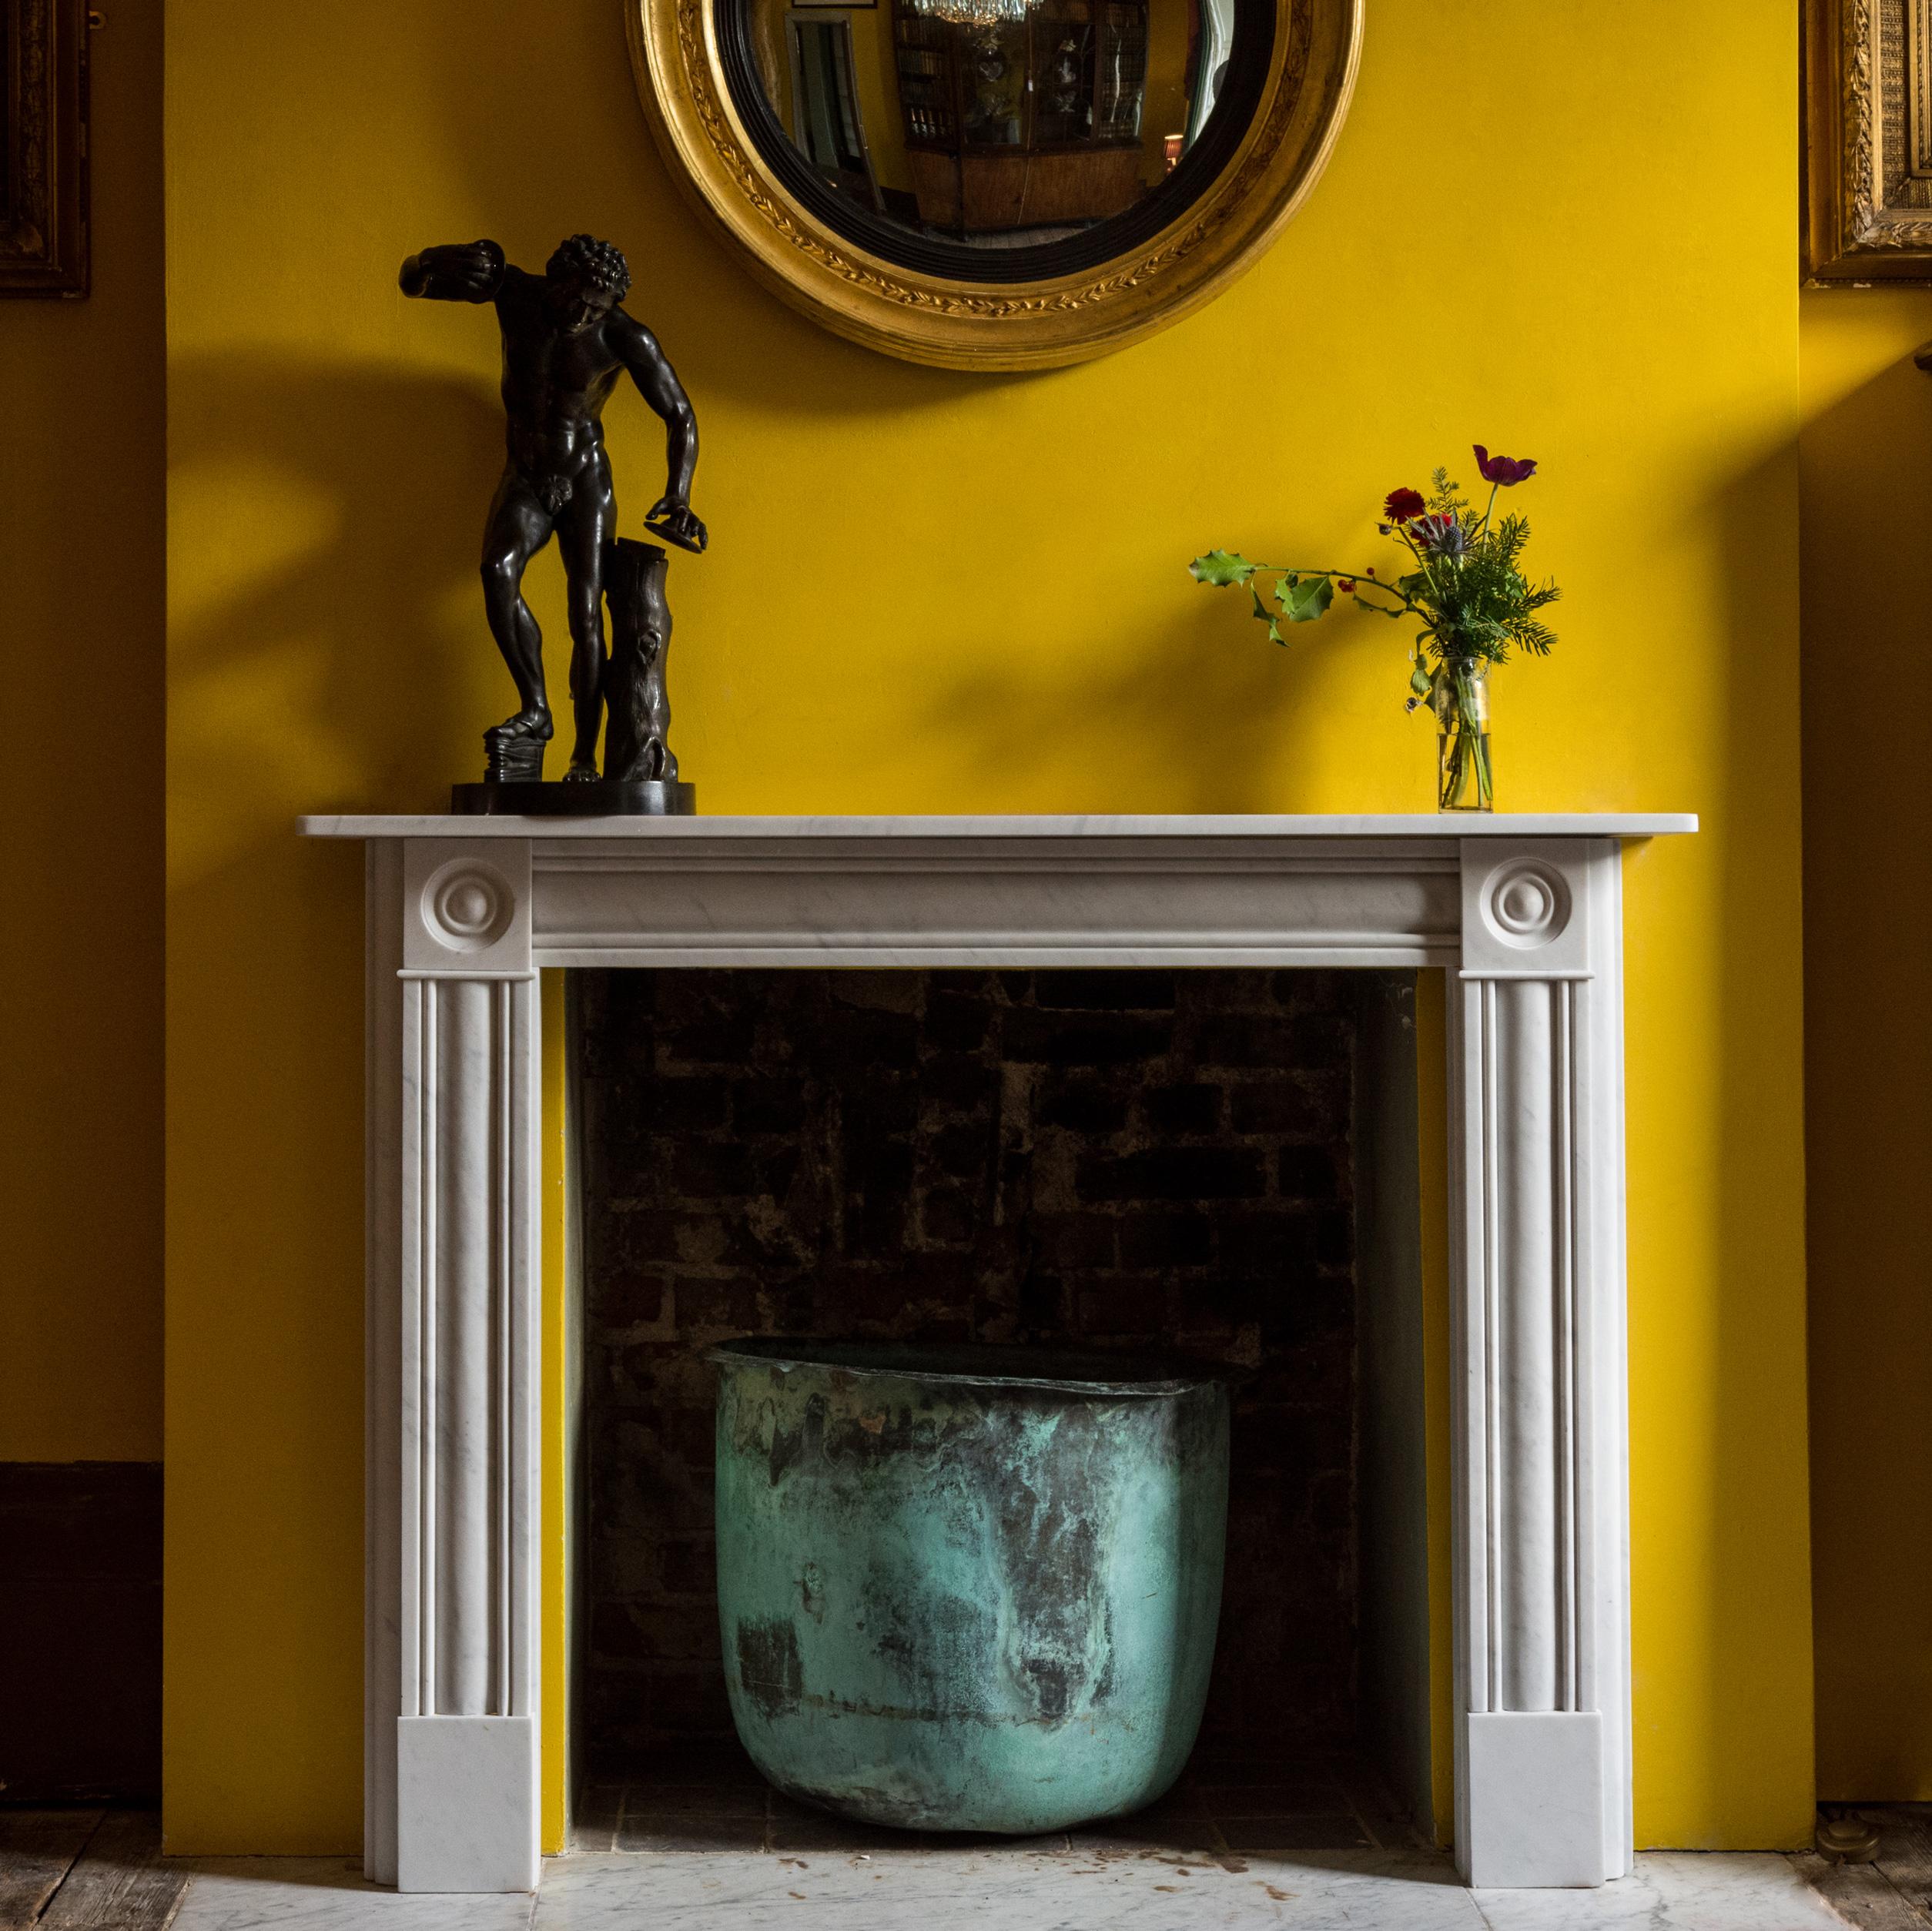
[{"x": 968, "y": 1587}]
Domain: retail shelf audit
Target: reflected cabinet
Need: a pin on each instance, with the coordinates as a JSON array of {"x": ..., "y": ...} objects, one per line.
[{"x": 1027, "y": 127}]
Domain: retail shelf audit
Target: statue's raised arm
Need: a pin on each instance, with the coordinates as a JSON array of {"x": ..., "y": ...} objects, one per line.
[
  {"x": 657, "y": 382},
  {"x": 458, "y": 272}
]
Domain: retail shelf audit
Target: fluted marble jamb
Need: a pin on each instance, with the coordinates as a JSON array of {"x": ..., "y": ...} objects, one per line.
[
  {"x": 462, "y": 1717},
  {"x": 383, "y": 1337},
  {"x": 1542, "y": 1685}
]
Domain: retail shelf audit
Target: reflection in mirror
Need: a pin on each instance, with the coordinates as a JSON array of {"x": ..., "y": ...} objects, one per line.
[{"x": 993, "y": 125}]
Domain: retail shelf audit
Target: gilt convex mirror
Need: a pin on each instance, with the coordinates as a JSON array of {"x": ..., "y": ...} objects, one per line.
[{"x": 996, "y": 184}]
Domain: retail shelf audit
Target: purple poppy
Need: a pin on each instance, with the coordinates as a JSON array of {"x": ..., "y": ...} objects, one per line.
[
  {"x": 1504, "y": 470},
  {"x": 1399, "y": 505}
]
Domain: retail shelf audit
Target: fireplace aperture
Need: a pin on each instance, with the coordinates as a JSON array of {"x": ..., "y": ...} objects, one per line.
[{"x": 1160, "y": 1161}]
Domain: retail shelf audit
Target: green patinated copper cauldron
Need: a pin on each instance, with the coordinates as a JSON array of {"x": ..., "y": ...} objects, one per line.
[{"x": 968, "y": 1587}]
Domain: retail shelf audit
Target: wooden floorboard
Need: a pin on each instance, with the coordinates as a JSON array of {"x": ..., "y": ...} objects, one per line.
[
  {"x": 1894, "y": 1893},
  {"x": 1905, "y": 1851},
  {"x": 121, "y": 1882},
  {"x": 1861, "y": 1894},
  {"x": 37, "y": 1848},
  {"x": 85, "y": 1870}
]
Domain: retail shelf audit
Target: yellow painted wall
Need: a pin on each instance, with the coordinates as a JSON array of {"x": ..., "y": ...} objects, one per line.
[
  {"x": 561, "y": 1375},
  {"x": 929, "y": 591},
  {"x": 1865, "y": 461},
  {"x": 81, "y": 506}
]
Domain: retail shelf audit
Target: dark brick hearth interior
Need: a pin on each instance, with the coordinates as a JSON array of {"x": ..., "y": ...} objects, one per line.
[{"x": 1131, "y": 1158}]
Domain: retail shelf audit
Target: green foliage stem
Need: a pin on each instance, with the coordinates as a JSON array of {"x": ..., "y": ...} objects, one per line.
[{"x": 1470, "y": 595}]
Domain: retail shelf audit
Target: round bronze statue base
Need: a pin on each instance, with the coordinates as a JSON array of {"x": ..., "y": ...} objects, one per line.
[{"x": 599, "y": 798}]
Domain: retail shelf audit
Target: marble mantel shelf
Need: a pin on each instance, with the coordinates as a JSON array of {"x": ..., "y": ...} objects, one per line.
[
  {"x": 1393, "y": 825},
  {"x": 1524, "y": 912}
]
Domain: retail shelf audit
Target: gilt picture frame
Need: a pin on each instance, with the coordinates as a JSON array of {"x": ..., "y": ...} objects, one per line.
[
  {"x": 43, "y": 148},
  {"x": 1868, "y": 141}
]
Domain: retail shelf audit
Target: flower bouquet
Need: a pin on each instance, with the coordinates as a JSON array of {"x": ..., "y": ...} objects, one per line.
[{"x": 1463, "y": 580}]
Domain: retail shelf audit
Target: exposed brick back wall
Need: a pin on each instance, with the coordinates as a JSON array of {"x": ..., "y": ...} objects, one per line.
[{"x": 1131, "y": 1159}]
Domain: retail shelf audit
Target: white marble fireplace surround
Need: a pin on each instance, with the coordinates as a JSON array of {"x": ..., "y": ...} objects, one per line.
[{"x": 1524, "y": 912}]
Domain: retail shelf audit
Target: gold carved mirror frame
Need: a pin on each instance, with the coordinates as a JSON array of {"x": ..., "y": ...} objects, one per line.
[{"x": 954, "y": 324}]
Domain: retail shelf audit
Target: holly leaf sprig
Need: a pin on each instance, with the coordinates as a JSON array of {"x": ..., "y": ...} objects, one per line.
[{"x": 1300, "y": 596}]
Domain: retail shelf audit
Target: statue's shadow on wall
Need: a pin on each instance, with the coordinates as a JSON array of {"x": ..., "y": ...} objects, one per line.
[
  {"x": 352, "y": 664},
  {"x": 326, "y": 647}
]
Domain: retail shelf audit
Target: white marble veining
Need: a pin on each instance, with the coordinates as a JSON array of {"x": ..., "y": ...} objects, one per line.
[
  {"x": 329, "y": 1894},
  {"x": 873, "y": 902},
  {"x": 1027, "y": 1891},
  {"x": 1523, "y": 913},
  {"x": 1674, "y": 1891},
  {"x": 1020, "y": 1890},
  {"x": 452, "y": 1684}
]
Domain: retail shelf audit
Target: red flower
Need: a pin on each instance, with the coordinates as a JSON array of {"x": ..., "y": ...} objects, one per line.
[
  {"x": 1399, "y": 505},
  {"x": 1505, "y": 471}
]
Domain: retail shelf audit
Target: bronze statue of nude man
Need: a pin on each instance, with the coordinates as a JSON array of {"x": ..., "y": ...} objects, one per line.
[{"x": 565, "y": 340}]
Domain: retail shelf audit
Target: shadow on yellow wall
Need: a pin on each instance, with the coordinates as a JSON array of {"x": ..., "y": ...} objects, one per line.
[
  {"x": 82, "y": 510},
  {"x": 1866, "y": 456},
  {"x": 355, "y": 625},
  {"x": 329, "y": 667},
  {"x": 1184, "y": 715}
]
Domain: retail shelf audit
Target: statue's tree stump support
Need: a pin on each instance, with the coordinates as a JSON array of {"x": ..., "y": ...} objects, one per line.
[{"x": 637, "y": 705}]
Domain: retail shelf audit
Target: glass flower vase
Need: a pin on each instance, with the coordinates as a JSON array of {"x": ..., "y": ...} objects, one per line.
[{"x": 1465, "y": 769}]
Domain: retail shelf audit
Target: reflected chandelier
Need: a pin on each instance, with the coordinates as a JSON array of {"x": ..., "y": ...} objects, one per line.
[{"x": 976, "y": 13}]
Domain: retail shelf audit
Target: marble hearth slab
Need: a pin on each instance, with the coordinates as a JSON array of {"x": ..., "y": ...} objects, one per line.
[{"x": 1021, "y": 1889}]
